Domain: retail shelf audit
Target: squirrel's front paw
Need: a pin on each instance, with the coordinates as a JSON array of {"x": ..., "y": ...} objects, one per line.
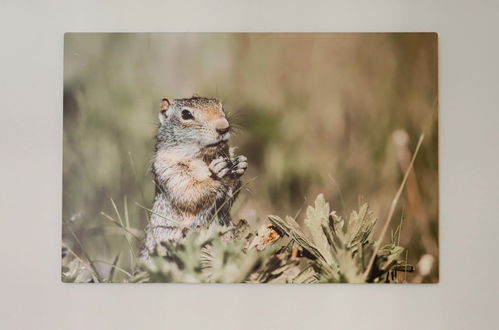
[
  {"x": 239, "y": 165},
  {"x": 219, "y": 167}
]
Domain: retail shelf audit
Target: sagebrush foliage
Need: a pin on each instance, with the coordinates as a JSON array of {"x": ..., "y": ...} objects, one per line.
[{"x": 326, "y": 248}]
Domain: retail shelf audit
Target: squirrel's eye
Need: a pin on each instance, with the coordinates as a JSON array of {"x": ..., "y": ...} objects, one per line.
[{"x": 186, "y": 114}]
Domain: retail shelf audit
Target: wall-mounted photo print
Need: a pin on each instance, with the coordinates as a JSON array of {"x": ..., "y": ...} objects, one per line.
[{"x": 250, "y": 158}]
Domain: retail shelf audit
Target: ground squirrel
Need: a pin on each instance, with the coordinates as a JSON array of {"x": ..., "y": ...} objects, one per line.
[{"x": 196, "y": 174}]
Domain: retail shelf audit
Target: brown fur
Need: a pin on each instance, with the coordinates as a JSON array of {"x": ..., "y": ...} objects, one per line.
[{"x": 196, "y": 175}]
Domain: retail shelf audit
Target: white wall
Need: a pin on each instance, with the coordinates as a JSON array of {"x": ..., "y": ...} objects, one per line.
[{"x": 31, "y": 294}]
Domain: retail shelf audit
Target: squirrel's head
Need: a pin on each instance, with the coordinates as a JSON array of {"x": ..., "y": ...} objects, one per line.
[{"x": 196, "y": 122}]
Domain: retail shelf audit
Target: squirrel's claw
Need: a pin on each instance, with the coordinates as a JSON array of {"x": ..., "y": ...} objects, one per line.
[
  {"x": 219, "y": 167},
  {"x": 240, "y": 165}
]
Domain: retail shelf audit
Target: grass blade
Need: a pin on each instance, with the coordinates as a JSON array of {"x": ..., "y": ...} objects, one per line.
[
  {"x": 110, "y": 218},
  {"x": 392, "y": 208},
  {"x": 90, "y": 262},
  {"x": 133, "y": 257}
]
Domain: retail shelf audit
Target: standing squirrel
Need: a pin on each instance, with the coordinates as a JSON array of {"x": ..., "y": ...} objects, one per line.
[{"x": 196, "y": 174}]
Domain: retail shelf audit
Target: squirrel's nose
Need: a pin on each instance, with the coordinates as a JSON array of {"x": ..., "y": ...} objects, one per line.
[{"x": 222, "y": 126}]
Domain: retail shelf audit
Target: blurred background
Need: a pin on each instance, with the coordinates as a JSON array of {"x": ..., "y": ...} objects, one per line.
[{"x": 338, "y": 114}]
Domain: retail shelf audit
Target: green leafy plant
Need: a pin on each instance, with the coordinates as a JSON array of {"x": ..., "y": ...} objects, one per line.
[
  {"x": 340, "y": 249},
  {"x": 334, "y": 250}
]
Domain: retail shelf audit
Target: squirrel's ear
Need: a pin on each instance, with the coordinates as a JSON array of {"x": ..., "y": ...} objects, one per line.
[
  {"x": 165, "y": 103},
  {"x": 195, "y": 95}
]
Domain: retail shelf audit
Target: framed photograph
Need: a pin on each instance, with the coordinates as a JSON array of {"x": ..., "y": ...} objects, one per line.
[{"x": 250, "y": 158}]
